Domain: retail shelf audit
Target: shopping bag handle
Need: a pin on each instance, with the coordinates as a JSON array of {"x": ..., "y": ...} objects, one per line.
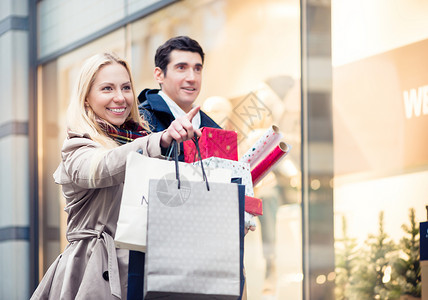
[
  {"x": 204, "y": 175},
  {"x": 195, "y": 140},
  {"x": 177, "y": 172},
  {"x": 175, "y": 149}
]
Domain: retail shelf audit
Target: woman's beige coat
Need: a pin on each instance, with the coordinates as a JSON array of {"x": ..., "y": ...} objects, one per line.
[{"x": 90, "y": 266}]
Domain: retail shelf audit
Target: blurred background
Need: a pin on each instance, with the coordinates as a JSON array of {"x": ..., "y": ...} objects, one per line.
[{"x": 345, "y": 81}]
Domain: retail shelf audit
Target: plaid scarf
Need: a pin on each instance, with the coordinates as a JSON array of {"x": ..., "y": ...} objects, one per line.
[{"x": 125, "y": 133}]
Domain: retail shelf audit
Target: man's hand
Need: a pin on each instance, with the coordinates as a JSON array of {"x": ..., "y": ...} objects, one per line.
[
  {"x": 252, "y": 228},
  {"x": 181, "y": 129}
]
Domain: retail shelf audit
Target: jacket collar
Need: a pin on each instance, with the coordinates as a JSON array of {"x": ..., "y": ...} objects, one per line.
[
  {"x": 206, "y": 121},
  {"x": 150, "y": 99}
]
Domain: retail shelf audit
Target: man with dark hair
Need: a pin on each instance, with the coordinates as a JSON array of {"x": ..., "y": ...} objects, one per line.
[
  {"x": 178, "y": 70},
  {"x": 180, "y": 43}
]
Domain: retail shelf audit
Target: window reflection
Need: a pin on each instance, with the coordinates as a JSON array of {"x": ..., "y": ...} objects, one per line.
[
  {"x": 56, "y": 80},
  {"x": 379, "y": 149},
  {"x": 252, "y": 54}
]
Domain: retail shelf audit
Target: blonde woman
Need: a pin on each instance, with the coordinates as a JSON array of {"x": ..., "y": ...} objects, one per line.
[{"x": 104, "y": 125}]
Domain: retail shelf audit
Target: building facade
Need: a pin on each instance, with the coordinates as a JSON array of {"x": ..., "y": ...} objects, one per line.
[{"x": 344, "y": 81}]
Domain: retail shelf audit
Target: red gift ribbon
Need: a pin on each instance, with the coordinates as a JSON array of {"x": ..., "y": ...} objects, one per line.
[
  {"x": 254, "y": 206},
  {"x": 264, "y": 167}
]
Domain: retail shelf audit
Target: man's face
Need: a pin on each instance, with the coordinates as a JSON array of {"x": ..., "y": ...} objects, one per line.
[{"x": 183, "y": 78}]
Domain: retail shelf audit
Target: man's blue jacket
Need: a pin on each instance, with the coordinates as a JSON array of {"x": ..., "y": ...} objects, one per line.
[{"x": 156, "y": 112}]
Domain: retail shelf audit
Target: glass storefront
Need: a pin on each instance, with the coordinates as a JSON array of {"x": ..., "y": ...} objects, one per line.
[
  {"x": 379, "y": 83},
  {"x": 260, "y": 73},
  {"x": 56, "y": 80},
  {"x": 346, "y": 84}
]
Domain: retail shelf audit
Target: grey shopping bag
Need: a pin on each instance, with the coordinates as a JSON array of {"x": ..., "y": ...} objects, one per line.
[{"x": 193, "y": 240}]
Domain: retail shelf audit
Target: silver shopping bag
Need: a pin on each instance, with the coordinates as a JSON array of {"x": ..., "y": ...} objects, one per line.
[{"x": 193, "y": 240}]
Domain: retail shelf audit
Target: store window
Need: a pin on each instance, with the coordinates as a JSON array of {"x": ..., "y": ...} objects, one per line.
[
  {"x": 252, "y": 57},
  {"x": 381, "y": 163},
  {"x": 56, "y": 81},
  {"x": 252, "y": 61}
]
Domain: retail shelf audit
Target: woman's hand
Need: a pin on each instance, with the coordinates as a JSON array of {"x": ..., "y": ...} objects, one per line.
[{"x": 181, "y": 129}]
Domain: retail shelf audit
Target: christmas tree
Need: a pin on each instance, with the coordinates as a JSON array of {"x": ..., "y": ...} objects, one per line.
[
  {"x": 345, "y": 255},
  {"x": 407, "y": 266},
  {"x": 373, "y": 277}
]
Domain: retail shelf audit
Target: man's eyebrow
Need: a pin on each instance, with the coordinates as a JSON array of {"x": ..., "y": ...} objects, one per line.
[
  {"x": 186, "y": 64},
  {"x": 181, "y": 64}
]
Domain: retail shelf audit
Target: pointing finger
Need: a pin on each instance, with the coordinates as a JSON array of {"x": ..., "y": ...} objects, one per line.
[{"x": 193, "y": 112}]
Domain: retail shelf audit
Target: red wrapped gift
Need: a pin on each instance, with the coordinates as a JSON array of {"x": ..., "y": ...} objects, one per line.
[
  {"x": 253, "y": 206},
  {"x": 213, "y": 142}
]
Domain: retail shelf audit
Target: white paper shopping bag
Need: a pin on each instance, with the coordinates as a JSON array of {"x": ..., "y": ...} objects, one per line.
[{"x": 132, "y": 223}]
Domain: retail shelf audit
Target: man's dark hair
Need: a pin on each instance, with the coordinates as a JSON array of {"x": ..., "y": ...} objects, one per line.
[{"x": 182, "y": 43}]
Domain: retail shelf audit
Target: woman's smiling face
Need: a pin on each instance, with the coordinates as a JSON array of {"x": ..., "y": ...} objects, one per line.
[{"x": 111, "y": 96}]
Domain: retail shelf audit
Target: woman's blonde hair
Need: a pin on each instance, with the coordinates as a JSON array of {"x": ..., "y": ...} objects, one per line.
[{"x": 81, "y": 118}]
